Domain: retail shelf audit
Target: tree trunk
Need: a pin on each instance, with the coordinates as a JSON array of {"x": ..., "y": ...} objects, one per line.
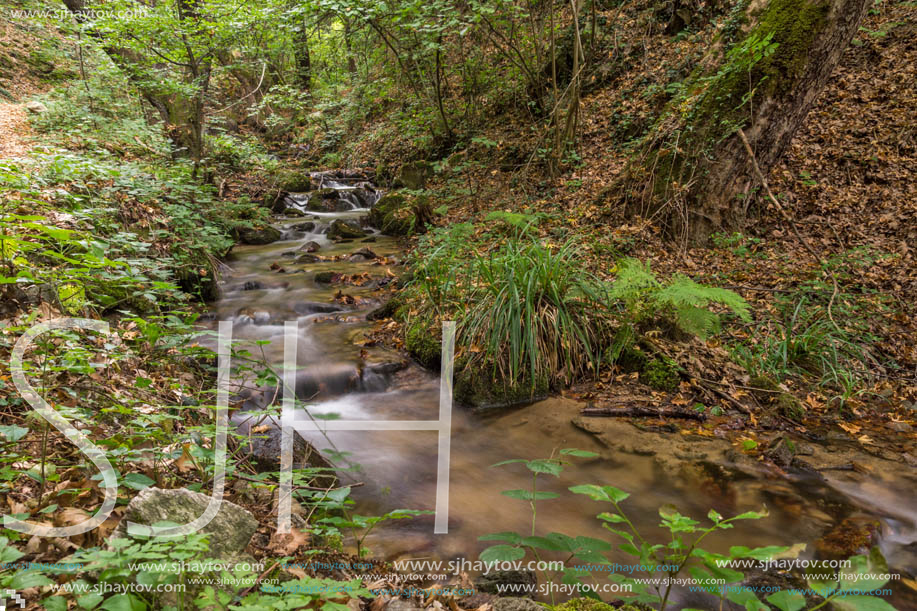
[
  {"x": 303, "y": 59},
  {"x": 174, "y": 110},
  {"x": 694, "y": 172}
]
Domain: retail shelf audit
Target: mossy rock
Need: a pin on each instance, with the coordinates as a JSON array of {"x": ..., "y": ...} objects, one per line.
[
  {"x": 323, "y": 200},
  {"x": 202, "y": 284},
  {"x": 478, "y": 387},
  {"x": 661, "y": 373},
  {"x": 424, "y": 343},
  {"x": 259, "y": 235},
  {"x": 386, "y": 310},
  {"x": 295, "y": 182},
  {"x": 585, "y": 604},
  {"x": 325, "y": 277},
  {"x": 785, "y": 403},
  {"x": 414, "y": 175},
  {"x": 396, "y": 213},
  {"x": 345, "y": 230}
]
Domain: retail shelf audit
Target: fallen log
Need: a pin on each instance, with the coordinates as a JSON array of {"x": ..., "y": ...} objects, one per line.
[{"x": 642, "y": 412}]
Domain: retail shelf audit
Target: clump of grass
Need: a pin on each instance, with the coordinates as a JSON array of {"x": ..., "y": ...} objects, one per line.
[{"x": 535, "y": 313}]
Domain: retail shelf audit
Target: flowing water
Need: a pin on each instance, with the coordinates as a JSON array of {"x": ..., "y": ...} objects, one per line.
[{"x": 265, "y": 286}]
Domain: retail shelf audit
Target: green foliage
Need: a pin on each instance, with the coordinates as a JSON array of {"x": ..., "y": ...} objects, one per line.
[
  {"x": 681, "y": 302},
  {"x": 535, "y": 313},
  {"x": 676, "y": 553},
  {"x": 822, "y": 332}
]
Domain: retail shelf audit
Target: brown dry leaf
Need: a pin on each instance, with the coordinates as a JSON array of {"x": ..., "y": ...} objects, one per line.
[
  {"x": 295, "y": 572},
  {"x": 378, "y": 604},
  {"x": 69, "y": 516},
  {"x": 865, "y": 439},
  {"x": 286, "y": 544},
  {"x": 850, "y": 428},
  {"x": 185, "y": 462}
]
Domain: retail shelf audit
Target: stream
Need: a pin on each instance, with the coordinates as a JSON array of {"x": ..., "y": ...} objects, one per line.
[{"x": 267, "y": 285}]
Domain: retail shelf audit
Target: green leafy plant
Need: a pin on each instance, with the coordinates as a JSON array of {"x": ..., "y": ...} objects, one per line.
[{"x": 681, "y": 302}]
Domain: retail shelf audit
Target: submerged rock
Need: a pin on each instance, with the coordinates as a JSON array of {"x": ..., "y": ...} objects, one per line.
[
  {"x": 230, "y": 529},
  {"x": 310, "y": 246}
]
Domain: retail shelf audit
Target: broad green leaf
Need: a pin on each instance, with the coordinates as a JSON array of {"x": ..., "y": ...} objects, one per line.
[
  {"x": 860, "y": 603},
  {"x": 613, "y": 518},
  {"x": 600, "y": 493},
  {"x": 502, "y": 553},
  {"x": 13, "y": 432},
  {"x": 528, "y": 495},
  {"x": 862, "y": 572},
  {"x": 787, "y": 601},
  {"x": 747, "y": 599},
  {"x": 28, "y": 579},
  {"x": 123, "y": 602},
  {"x": 137, "y": 481},
  {"x": 578, "y": 453},
  {"x": 543, "y": 543},
  {"x": 551, "y": 467},
  {"x": 509, "y": 536}
]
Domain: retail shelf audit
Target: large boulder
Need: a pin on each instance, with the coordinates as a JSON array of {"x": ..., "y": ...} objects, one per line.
[
  {"x": 399, "y": 214},
  {"x": 414, "y": 175},
  {"x": 230, "y": 529},
  {"x": 345, "y": 230},
  {"x": 325, "y": 200},
  {"x": 259, "y": 235}
]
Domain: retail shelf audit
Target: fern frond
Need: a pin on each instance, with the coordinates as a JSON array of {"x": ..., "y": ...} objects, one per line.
[
  {"x": 683, "y": 291},
  {"x": 634, "y": 277},
  {"x": 697, "y": 321}
]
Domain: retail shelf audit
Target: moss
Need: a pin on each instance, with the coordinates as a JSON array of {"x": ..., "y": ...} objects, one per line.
[
  {"x": 785, "y": 403},
  {"x": 584, "y": 604},
  {"x": 423, "y": 342},
  {"x": 295, "y": 182},
  {"x": 393, "y": 214},
  {"x": 325, "y": 277},
  {"x": 714, "y": 104},
  {"x": 661, "y": 373},
  {"x": 477, "y": 386},
  {"x": 386, "y": 310}
]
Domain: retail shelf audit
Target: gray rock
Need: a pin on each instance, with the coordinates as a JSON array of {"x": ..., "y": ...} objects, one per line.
[
  {"x": 311, "y": 246},
  {"x": 516, "y": 604},
  {"x": 36, "y": 107},
  {"x": 263, "y": 450},
  {"x": 230, "y": 529},
  {"x": 304, "y": 227},
  {"x": 494, "y": 582}
]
